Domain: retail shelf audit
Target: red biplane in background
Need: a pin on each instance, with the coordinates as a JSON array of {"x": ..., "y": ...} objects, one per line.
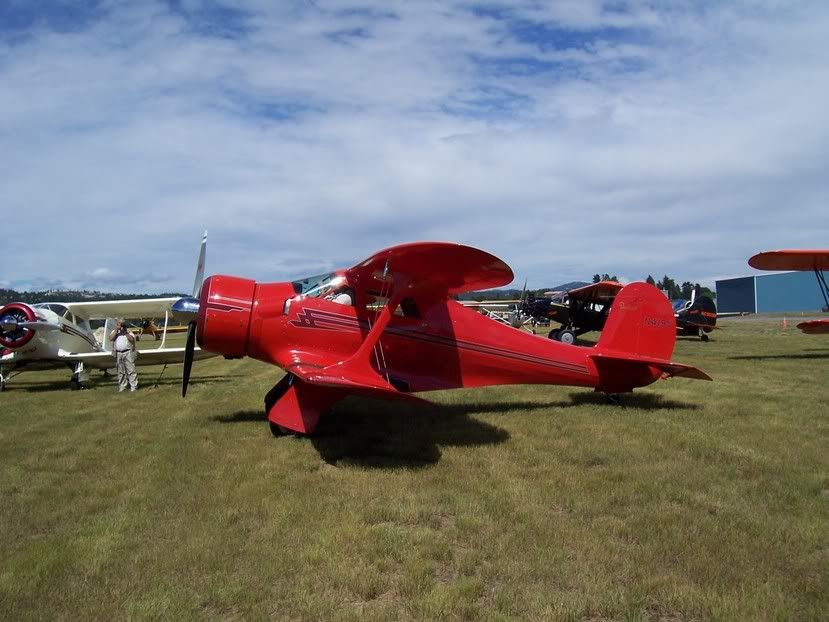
[
  {"x": 816, "y": 261},
  {"x": 399, "y": 333}
]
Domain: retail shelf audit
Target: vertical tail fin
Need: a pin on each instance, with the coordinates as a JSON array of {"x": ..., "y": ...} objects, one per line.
[
  {"x": 702, "y": 313},
  {"x": 641, "y": 321},
  {"x": 637, "y": 341}
]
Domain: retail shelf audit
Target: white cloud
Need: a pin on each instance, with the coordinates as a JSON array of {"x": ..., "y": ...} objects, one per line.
[{"x": 653, "y": 140}]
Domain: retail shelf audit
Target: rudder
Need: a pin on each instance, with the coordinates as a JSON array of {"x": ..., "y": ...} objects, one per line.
[{"x": 641, "y": 322}]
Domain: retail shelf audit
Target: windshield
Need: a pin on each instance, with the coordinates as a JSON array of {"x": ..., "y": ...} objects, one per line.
[
  {"x": 55, "y": 308},
  {"x": 319, "y": 285}
]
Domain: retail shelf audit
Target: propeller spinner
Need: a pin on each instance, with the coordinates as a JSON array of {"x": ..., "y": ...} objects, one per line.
[{"x": 16, "y": 325}]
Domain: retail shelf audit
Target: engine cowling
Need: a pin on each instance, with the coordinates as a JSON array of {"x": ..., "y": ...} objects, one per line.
[
  {"x": 224, "y": 315},
  {"x": 12, "y": 335}
]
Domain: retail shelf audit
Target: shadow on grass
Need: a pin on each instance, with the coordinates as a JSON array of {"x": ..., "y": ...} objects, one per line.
[
  {"x": 41, "y": 387},
  {"x": 241, "y": 416},
  {"x": 194, "y": 380},
  {"x": 106, "y": 382},
  {"x": 639, "y": 401},
  {"x": 381, "y": 434},
  {"x": 377, "y": 434},
  {"x": 771, "y": 357}
]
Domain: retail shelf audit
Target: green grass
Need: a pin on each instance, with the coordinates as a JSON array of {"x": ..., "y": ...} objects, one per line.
[{"x": 689, "y": 501}]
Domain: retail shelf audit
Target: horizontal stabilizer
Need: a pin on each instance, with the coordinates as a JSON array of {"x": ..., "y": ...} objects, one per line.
[{"x": 668, "y": 368}]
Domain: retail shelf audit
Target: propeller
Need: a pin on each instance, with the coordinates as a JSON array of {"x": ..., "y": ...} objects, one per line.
[
  {"x": 523, "y": 300},
  {"x": 187, "y": 308},
  {"x": 18, "y": 325},
  {"x": 188, "y": 357}
]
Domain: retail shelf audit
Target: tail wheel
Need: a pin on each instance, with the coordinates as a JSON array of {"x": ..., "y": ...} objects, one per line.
[
  {"x": 16, "y": 313},
  {"x": 278, "y": 430}
]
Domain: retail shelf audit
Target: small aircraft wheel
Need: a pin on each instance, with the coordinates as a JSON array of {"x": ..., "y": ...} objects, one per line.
[
  {"x": 553, "y": 334},
  {"x": 567, "y": 337},
  {"x": 278, "y": 430},
  {"x": 703, "y": 337}
]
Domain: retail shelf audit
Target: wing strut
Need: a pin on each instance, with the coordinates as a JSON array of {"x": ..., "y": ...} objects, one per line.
[
  {"x": 824, "y": 288},
  {"x": 372, "y": 340},
  {"x": 356, "y": 372}
]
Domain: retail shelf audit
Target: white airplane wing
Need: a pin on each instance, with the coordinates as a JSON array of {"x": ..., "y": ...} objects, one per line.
[
  {"x": 130, "y": 309},
  {"x": 153, "y": 356}
]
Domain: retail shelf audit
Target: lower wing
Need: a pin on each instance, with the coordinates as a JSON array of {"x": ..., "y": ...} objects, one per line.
[
  {"x": 815, "y": 327},
  {"x": 157, "y": 356}
]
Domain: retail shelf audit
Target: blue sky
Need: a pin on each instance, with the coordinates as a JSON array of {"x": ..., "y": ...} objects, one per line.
[{"x": 567, "y": 138}]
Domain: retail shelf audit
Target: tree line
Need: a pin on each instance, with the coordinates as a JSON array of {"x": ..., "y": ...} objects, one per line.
[
  {"x": 672, "y": 289},
  {"x": 70, "y": 295}
]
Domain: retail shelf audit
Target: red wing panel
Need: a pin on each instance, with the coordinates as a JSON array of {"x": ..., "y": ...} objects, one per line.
[
  {"x": 801, "y": 260},
  {"x": 603, "y": 291},
  {"x": 440, "y": 268},
  {"x": 351, "y": 379},
  {"x": 815, "y": 327}
]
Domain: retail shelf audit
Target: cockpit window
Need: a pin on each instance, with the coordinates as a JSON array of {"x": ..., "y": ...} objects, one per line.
[
  {"x": 320, "y": 285},
  {"x": 55, "y": 308}
]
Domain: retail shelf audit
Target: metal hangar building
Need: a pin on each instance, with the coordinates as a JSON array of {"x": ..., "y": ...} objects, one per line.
[{"x": 768, "y": 293}]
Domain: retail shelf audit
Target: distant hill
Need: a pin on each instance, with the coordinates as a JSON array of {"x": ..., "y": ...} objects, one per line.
[
  {"x": 68, "y": 295},
  {"x": 566, "y": 286},
  {"x": 514, "y": 294}
]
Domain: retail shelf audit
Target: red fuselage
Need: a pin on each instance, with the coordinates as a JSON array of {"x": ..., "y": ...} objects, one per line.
[{"x": 438, "y": 346}]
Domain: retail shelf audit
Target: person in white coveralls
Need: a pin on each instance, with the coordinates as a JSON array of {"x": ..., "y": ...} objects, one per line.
[{"x": 123, "y": 345}]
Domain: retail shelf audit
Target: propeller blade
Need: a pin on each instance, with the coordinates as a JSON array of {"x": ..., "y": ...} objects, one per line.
[
  {"x": 200, "y": 267},
  {"x": 188, "y": 357},
  {"x": 523, "y": 300}
]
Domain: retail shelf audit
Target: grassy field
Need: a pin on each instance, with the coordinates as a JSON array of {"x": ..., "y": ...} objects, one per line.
[{"x": 690, "y": 501}]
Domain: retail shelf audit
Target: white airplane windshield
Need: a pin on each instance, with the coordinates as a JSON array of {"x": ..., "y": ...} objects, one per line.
[
  {"x": 319, "y": 285},
  {"x": 55, "y": 308}
]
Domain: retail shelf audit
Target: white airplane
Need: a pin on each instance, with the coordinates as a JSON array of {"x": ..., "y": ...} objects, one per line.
[{"x": 52, "y": 335}]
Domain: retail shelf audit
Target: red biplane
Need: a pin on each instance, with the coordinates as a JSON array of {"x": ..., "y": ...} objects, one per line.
[
  {"x": 387, "y": 328},
  {"x": 816, "y": 261}
]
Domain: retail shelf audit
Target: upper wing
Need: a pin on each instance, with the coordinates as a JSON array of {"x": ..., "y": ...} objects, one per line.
[
  {"x": 815, "y": 327},
  {"x": 141, "y": 308},
  {"x": 154, "y": 356},
  {"x": 801, "y": 260},
  {"x": 603, "y": 291},
  {"x": 441, "y": 268}
]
